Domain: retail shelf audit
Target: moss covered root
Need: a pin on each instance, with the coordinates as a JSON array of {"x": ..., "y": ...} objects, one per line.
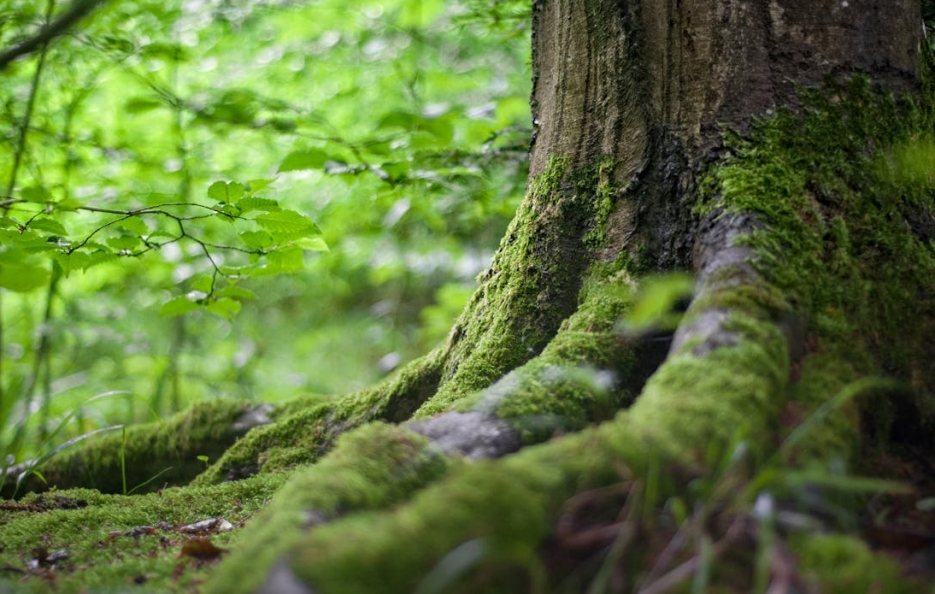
[
  {"x": 802, "y": 228},
  {"x": 370, "y": 468},
  {"x": 145, "y": 457},
  {"x": 302, "y": 433}
]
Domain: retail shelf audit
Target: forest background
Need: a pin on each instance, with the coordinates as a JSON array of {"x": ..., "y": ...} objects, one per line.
[{"x": 242, "y": 198}]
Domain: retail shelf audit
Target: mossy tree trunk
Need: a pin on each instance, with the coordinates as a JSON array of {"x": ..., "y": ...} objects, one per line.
[{"x": 669, "y": 136}]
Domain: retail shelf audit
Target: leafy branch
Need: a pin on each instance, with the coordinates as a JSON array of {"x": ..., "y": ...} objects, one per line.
[
  {"x": 65, "y": 21},
  {"x": 280, "y": 235}
]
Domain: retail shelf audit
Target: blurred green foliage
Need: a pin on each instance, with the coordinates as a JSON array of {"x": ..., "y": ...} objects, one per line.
[{"x": 248, "y": 198}]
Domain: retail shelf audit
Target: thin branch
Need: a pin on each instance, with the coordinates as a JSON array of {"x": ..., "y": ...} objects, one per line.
[
  {"x": 30, "y": 106},
  {"x": 155, "y": 209},
  {"x": 77, "y": 11}
]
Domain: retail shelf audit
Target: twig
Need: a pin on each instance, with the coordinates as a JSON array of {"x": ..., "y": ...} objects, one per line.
[{"x": 77, "y": 11}]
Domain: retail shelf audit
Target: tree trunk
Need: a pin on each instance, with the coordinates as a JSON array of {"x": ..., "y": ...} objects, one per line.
[{"x": 767, "y": 147}]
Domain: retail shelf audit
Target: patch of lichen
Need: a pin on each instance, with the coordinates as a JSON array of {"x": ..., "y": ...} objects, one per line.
[
  {"x": 307, "y": 433},
  {"x": 117, "y": 543},
  {"x": 844, "y": 232},
  {"x": 145, "y": 457},
  {"x": 373, "y": 467}
]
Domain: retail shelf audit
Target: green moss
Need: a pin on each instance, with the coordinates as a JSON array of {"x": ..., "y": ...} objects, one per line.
[
  {"x": 692, "y": 401},
  {"x": 541, "y": 399},
  {"x": 574, "y": 383},
  {"x": 504, "y": 508},
  {"x": 606, "y": 296},
  {"x": 373, "y": 467},
  {"x": 544, "y": 185},
  {"x": 104, "y": 554},
  {"x": 148, "y": 456},
  {"x": 822, "y": 376},
  {"x": 604, "y": 193},
  {"x": 305, "y": 430},
  {"x": 737, "y": 292},
  {"x": 844, "y": 229},
  {"x": 306, "y": 434},
  {"x": 575, "y": 380},
  {"x": 534, "y": 282},
  {"x": 843, "y": 564}
]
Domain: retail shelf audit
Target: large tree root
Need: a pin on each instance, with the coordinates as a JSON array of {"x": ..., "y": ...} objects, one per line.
[
  {"x": 725, "y": 380},
  {"x": 142, "y": 458}
]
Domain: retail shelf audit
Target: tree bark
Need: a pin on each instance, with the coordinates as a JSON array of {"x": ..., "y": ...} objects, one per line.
[{"x": 669, "y": 136}]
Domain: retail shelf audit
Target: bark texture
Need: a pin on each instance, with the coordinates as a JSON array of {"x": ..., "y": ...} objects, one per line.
[{"x": 669, "y": 136}]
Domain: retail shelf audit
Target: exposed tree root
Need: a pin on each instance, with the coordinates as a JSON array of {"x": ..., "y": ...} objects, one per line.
[
  {"x": 144, "y": 457},
  {"x": 725, "y": 379}
]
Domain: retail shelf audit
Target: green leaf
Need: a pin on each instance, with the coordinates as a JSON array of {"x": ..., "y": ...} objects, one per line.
[
  {"x": 396, "y": 170},
  {"x": 203, "y": 283},
  {"x": 254, "y": 203},
  {"x": 224, "y": 307},
  {"x": 22, "y": 278},
  {"x": 177, "y": 306},
  {"x": 256, "y": 240},
  {"x": 101, "y": 256},
  {"x": 134, "y": 225},
  {"x": 399, "y": 119},
  {"x": 441, "y": 128},
  {"x": 240, "y": 271},
  {"x": 226, "y": 192},
  {"x": 12, "y": 237},
  {"x": 235, "y": 292},
  {"x": 72, "y": 262},
  {"x": 314, "y": 244},
  {"x": 67, "y": 204},
  {"x": 307, "y": 159},
  {"x": 288, "y": 222},
  {"x": 282, "y": 124},
  {"x": 230, "y": 210},
  {"x": 288, "y": 259},
  {"x": 657, "y": 302},
  {"x": 35, "y": 194},
  {"x": 257, "y": 185},
  {"x": 236, "y": 106},
  {"x": 124, "y": 242},
  {"x": 141, "y": 104},
  {"x": 171, "y": 52},
  {"x": 49, "y": 225},
  {"x": 24, "y": 242}
]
